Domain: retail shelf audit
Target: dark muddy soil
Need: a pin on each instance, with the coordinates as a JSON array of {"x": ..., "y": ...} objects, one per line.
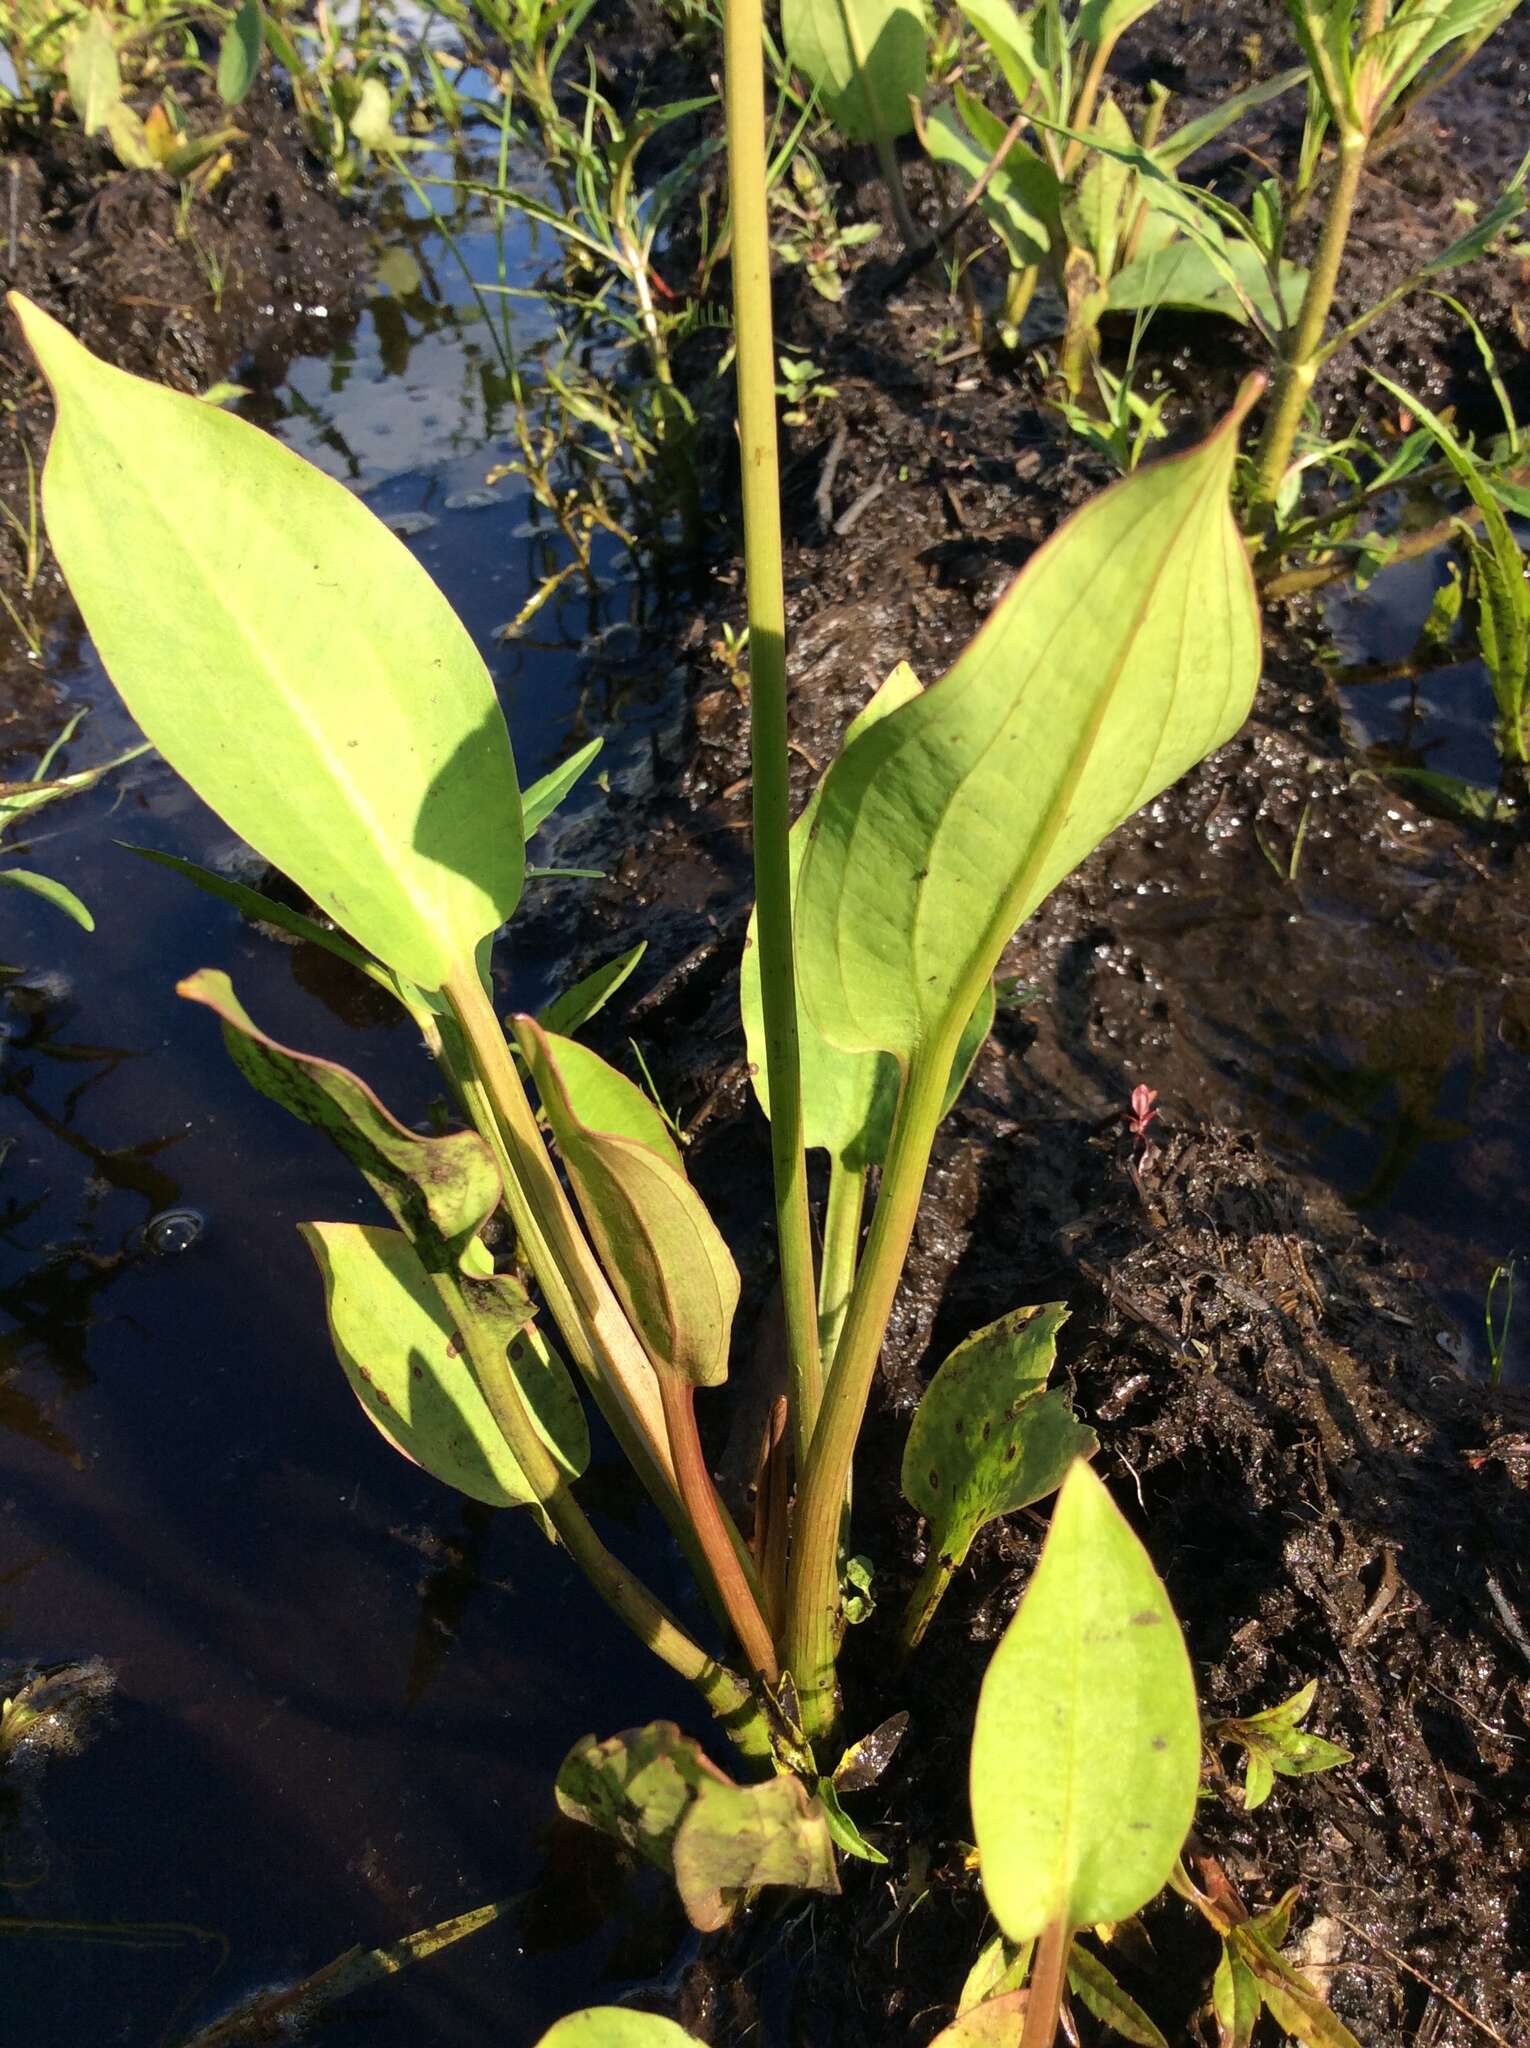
[
  {"x": 262, "y": 268},
  {"x": 1275, "y": 1385}
]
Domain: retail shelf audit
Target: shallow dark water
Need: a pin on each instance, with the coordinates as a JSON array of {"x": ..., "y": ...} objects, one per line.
[{"x": 341, "y": 1693}]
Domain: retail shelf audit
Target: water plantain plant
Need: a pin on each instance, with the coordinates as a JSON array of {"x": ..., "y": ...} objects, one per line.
[{"x": 291, "y": 659}]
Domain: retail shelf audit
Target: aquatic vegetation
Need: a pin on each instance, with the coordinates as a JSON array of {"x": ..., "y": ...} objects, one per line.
[
  {"x": 20, "y": 800},
  {"x": 357, "y": 744}
]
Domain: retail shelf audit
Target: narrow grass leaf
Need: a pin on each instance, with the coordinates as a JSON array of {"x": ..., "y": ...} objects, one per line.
[
  {"x": 1086, "y": 1753},
  {"x": 545, "y": 794},
  {"x": 1096, "y": 1989},
  {"x": 288, "y": 656},
  {"x": 51, "y": 891},
  {"x": 568, "y": 1012}
]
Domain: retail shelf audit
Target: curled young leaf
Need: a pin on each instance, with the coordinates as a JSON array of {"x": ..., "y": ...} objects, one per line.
[
  {"x": 1086, "y": 1753},
  {"x": 665, "y": 1256},
  {"x": 288, "y": 656},
  {"x": 1127, "y": 649},
  {"x": 408, "y": 1367},
  {"x": 441, "y": 1191}
]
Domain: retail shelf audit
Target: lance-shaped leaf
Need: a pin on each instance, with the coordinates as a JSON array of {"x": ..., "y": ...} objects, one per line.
[
  {"x": 57, "y": 893},
  {"x": 985, "y": 1439},
  {"x": 441, "y": 1191},
  {"x": 288, "y": 656},
  {"x": 866, "y": 58},
  {"x": 657, "y": 1791},
  {"x": 1086, "y": 1753},
  {"x": 1020, "y": 200},
  {"x": 995, "y": 2023},
  {"x": 1276, "y": 1743},
  {"x": 1102, "y": 21},
  {"x": 1127, "y": 649},
  {"x": 408, "y": 1367},
  {"x": 615, "y": 2026},
  {"x": 661, "y": 1250},
  {"x": 575, "y": 1006},
  {"x": 1096, "y": 1989},
  {"x": 848, "y": 1098}
]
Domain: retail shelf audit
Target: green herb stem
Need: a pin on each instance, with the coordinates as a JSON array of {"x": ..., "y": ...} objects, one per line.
[
  {"x": 841, "y": 1250},
  {"x": 1048, "y": 1981},
  {"x": 813, "y": 1613},
  {"x": 626, "y": 1596},
  {"x": 1301, "y": 358},
  {"x": 744, "y": 41},
  {"x": 929, "y": 1591}
]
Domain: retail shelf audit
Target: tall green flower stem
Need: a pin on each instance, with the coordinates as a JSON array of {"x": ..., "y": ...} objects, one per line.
[
  {"x": 813, "y": 1603},
  {"x": 1303, "y": 355},
  {"x": 744, "y": 70},
  {"x": 626, "y": 1596},
  {"x": 841, "y": 1248}
]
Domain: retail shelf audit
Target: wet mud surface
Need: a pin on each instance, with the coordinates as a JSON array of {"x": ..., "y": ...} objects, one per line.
[{"x": 1276, "y": 1311}]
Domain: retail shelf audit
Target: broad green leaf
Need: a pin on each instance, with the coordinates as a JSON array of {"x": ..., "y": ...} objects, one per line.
[
  {"x": 1086, "y": 1753},
  {"x": 50, "y": 891},
  {"x": 239, "y": 53},
  {"x": 288, "y": 656},
  {"x": 91, "y": 72},
  {"x": 1021, "y": 199},
  {"x": 657, "y": 1791},
  {"x": 1103, "y": 21},
  {"x": 395, "y": 1339},
  {"x": 544, "y": 796},
  {"x": 578, "y": 1004},
  {"x": 996, "y": 2023},
  {"x": 985, "y": 1440},
  {"x": 848, "y": 1098},
  {"x": 615, "y": 2026},
  {"x": 129, "y": 138},
  {"x": 1188, "y": 275},
  {"x": 1011, "y": 40},
  {"x": 866, "y": 59},
  {"x": 661, "y": 1250},
  {"x": 1096, "y": 1989},
  {"x": 1127, "y": 649},
  {"x": 440, "y": 1191}
]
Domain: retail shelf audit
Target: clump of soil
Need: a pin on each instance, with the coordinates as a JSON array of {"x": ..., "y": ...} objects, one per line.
[{"x": 261, "y": 268}]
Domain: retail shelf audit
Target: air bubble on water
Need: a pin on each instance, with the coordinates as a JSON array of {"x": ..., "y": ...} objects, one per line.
[
  {"x": 471, "y": 501},
  {"x": 173, "y": 1231}
]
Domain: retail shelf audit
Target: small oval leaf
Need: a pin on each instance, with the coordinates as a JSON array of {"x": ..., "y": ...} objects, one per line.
[
  {"x": 288, "y": 656},
  {"x": 1086, "y": 1753}
]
